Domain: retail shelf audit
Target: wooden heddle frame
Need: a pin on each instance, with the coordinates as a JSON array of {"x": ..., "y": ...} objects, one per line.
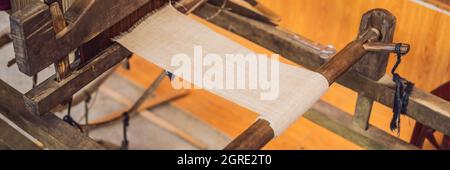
[{"x": 31, "y": 111}]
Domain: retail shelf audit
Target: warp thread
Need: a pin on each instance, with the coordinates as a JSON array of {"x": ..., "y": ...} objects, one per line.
[{"x": 403, "y": 89}]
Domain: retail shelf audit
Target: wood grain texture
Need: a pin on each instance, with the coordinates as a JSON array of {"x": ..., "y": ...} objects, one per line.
[
  {"x": 53, "y": 132},
  {"x": 373, "y": 65},
  {"x": 254, "y": 138},
  {"x": 19, "y": 4},
  {"x": 363, "y": 111},
  {"x": 83, "y": 18},
  {"x": 443, "y": 4},
  {"x": 14, "y": 139}
]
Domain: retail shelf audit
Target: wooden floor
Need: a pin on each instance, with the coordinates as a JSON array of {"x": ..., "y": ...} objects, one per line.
[{"x": 329, "y": 22}]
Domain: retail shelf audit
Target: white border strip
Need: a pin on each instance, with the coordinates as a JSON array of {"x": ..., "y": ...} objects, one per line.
[
  {"x": 431, "y": 6},
  {"x": 21, "y": 131}
]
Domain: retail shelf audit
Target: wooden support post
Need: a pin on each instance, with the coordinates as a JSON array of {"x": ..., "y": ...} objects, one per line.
[
  {"x": 363, "y": 111},
  {"x": 374, "y": 64}
]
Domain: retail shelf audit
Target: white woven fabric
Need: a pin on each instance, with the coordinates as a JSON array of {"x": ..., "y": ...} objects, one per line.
[{"x": 168, "y": 32}]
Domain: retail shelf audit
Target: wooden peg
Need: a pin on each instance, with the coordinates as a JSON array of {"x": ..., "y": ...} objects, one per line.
[
  {"x": 386, "y": 47},
  {"x": 62, "y": 67}
]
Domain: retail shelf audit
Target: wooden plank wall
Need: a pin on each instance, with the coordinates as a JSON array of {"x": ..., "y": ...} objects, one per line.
[{"x": 333, "y": 22}]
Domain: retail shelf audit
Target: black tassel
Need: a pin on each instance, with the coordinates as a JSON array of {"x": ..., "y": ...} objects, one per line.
[{"x": 403, "y": 90}]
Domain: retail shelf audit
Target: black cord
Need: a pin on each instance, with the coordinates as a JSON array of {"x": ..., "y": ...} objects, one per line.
[
  {"x": 86, "y": 110},
  {"x": 68, "y": 118},
  {"x": 126, "y": 123},
  {"x": 35, "y": 80},
  {"x": 403, "y": 89},
  {"x": 170, "y": 75}
]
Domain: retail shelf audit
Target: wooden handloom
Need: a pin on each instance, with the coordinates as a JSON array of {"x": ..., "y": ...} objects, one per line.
[{"x": 44, "y": 33}]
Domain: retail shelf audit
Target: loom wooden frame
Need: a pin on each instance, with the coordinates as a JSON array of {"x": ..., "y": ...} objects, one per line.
[{"x": 424, "y": 107}]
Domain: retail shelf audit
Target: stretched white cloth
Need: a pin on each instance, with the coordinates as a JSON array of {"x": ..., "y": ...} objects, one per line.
[{"x": 167, "y": 33}]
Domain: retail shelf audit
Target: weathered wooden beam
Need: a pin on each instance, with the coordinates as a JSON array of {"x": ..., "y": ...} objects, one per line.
[
  {"x": 340, "y": 122},
  {"x": 424, "y": 107},
  {"x": 51, "y": 93},
  {"x": 363, "y": 111},
  {"x": 51, "y": 131},
  {"x": 37, "y": 45},
  {"x": 14, "y": 139},
  {"x": 87, "y": 91},
  {"x": 4, "y": 146}
]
